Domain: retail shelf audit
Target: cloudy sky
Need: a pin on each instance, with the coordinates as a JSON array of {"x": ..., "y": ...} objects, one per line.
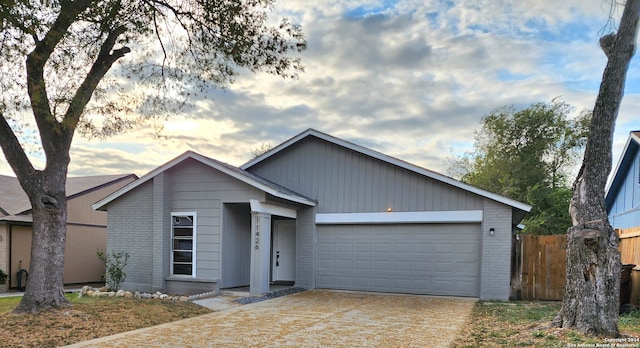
[{"x": 411, "y": 79}]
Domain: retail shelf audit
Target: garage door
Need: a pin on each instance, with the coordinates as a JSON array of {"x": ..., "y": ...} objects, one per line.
[{"x": 434, "y": 259}]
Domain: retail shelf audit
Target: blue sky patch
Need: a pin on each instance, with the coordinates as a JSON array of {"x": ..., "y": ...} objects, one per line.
[{"x": 364, "y": 11}]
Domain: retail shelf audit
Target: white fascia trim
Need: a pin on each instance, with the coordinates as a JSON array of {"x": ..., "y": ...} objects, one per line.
[
  {"x": 266, "y": 208},
  {"x": 256, "y": 184},
  {"x": 211, "y": 163},
  {"x": 614, "y": 173},
  {"x": 409, "y": 217}
]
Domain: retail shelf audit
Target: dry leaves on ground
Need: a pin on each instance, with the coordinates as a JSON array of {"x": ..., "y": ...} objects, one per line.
[{"x": 90, "y": 318}]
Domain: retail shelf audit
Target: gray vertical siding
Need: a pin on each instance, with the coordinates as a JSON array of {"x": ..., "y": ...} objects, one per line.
[
  {"x": 345, "y": 181},
  {"x": 236, "y": 238},
  {"x": 198, "y": 188},
  {"x": 130, "y": 229},
  {"x": 624, "y": 211},
  {"x": 139, "y": 223}
]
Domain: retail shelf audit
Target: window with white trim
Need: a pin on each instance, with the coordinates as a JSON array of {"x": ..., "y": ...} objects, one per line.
[{"x": 183, "y": 244}]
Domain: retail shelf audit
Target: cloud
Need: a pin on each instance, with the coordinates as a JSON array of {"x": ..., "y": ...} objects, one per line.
[{"x": 411, "y": 79}]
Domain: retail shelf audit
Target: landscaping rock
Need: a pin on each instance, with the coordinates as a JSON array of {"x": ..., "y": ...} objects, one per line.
[
  {"x": 270, "y": 295},
  {"x": 104, "y": 292}
]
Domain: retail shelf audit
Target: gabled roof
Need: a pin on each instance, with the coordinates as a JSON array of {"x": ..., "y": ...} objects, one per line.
[
  {"x": 392, "y": 160},
  {"x": 626, "y": 159},
  {"x": 237, "y": 173},
  {"x": 14, "y": 201}
]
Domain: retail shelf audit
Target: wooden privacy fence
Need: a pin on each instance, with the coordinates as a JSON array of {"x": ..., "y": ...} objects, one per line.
[
  {"x": 543, "y": 267},
  {"x": 630, "y": 254},
  {"x": 538, "y": 265}
]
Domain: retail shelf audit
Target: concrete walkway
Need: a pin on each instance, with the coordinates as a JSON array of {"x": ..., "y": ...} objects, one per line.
[{"x": 312, "y": 319}]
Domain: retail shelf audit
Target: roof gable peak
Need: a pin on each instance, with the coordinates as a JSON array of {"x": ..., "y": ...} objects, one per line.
[{"x": 388, "y": 159}]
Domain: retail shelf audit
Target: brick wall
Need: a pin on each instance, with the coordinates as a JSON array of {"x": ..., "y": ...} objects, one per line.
[
  {"x": 496, "y": 252},
  {"x": 129, "y": 228},
  {"x": 305, "y": 248}
]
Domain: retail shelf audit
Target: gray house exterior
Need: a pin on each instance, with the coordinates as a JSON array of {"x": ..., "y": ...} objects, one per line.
[
  {"x": 315, "y": 211},
  {"x": 623, "y": 191}
]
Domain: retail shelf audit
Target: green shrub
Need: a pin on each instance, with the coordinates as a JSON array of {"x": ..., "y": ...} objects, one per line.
[{"x": 115, "y": 263}]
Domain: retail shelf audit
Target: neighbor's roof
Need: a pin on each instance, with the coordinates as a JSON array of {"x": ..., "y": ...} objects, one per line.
[
  {"x": 619, "y": 174},
  {"x": 14, "y": 201},
  {"x": 400, "y": 163},
  {"x": 237, "y": 173}
]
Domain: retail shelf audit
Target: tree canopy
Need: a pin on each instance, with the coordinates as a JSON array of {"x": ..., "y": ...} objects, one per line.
[
  {"x": 94, "y": 67},
  {"x": 528, "y": 155},
  {"x": 174, "y": 49}
]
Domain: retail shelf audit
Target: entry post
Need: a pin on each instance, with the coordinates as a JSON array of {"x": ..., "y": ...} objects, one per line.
[{"x": 260, "y": 253}]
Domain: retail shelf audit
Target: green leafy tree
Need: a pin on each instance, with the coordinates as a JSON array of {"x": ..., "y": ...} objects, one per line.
[
  {"x": 527, "y": 155},
  {"x": 92, "y": 66}
]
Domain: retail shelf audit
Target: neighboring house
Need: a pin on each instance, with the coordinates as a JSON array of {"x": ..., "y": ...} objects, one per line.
[
  {"x": 86, "y": 228},
  {"x": 623, "y": 191},
  {"x": 315, "y": 211}
]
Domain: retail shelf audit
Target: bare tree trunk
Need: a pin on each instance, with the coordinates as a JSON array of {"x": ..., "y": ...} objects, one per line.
[
  {"x": 45, "y": 285},
  {"x": 592, "y": 289}
]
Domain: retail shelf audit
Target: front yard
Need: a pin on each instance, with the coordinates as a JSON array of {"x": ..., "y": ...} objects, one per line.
[
  {"x": 492, "y": 324},
  {"x": 89, "y": 318},
  {"x": 526, "y": 324}
]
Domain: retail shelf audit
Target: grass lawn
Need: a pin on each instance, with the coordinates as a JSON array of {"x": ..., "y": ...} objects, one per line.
[
  {"x": 89, "y": 318},
  {"x": 526, "y": 324}
]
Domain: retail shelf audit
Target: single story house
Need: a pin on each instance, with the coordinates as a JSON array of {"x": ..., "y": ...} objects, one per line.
[
  {"x": 86, "y": 228},
  {"x": 622, "y": 197},
  {"x": 315, "y": 211}
]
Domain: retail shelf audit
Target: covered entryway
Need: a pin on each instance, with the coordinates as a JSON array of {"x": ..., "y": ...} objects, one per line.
[
  {"x": 273, "y": 230},
  {"x": 283, "y": 251},
  {"x": 434, "y": 259}
]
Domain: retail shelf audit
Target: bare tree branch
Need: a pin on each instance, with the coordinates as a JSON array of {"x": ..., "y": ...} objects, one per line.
[
  {"x": 103, "y": 63},
  {"x": 13, "y": 151}
]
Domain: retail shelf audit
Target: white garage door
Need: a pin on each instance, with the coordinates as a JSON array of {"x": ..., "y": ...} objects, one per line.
[{"x": 434, "y": 259}]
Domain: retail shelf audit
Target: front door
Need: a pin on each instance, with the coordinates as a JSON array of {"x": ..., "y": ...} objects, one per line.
[{"x": 284, "y": 251}]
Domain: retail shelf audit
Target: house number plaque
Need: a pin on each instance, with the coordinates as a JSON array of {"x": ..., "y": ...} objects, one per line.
[{"x": 257, "y": 246}]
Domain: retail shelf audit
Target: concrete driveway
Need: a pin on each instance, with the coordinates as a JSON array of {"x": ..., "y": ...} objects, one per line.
[{"x": 312, "y": 319}]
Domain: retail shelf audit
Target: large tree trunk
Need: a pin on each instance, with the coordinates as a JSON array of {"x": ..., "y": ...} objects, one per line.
[
  {"x": 45, "y": 285},
  {"x": 46, "y": 188},
  {"x": 592, "y": 289}
]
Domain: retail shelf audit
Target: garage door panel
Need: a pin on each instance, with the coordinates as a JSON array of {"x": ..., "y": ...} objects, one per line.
[
  {"x": 363, "y": 248},
  {"x": 423, "y": 259},
  {"x": 382, "y": 265},
  {"x": 363, "y": 265},
  {"x": 378, "y": 247}
]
